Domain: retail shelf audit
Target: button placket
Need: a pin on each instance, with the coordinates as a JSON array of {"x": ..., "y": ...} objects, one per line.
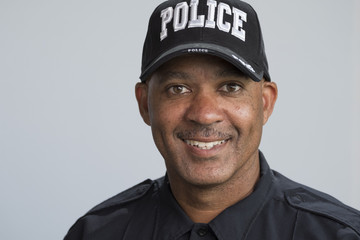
[{"x": 202, "y": 232}]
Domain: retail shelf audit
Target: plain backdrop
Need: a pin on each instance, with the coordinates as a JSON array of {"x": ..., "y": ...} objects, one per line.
[{"x": 70, "y": 132}]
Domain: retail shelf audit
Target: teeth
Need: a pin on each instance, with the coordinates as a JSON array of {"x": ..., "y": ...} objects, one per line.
[{"x": 204, "y": 145}]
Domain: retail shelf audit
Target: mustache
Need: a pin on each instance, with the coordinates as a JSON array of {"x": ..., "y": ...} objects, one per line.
[{"x": 204, "y": 132}]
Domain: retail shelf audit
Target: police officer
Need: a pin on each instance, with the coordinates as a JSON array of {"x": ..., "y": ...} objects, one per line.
[{"x": 206, "y": 93}]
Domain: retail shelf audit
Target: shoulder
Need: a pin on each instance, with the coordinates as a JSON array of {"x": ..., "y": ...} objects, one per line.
[
  {"x": 131, "y": 195},
  {"x": 111, "y": 217},
  {"x": 316, "y": 207}
]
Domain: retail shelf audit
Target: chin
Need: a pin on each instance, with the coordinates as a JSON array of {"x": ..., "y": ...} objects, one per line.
[{"x": 207, "y": 179}]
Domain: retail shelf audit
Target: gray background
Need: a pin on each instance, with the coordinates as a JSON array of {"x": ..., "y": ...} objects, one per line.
[{"x": 70, "y": 132}]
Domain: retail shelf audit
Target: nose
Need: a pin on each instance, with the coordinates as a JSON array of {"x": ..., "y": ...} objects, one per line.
[{"x": 204, "y": 109}]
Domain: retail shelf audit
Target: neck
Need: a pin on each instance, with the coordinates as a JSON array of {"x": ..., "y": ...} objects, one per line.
[{"x": 203, "y": 203}]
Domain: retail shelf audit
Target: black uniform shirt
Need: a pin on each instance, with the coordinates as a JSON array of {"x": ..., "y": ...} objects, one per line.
[{"x": 277, "y": 209}]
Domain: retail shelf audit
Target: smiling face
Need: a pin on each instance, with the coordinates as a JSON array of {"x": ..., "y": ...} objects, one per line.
[{"x": 206, "y": 118}]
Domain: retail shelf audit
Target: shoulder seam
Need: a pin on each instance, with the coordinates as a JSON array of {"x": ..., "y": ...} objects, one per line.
[
  {"x": 305, "y": 200},
  {"x": 127, "y": 196}
]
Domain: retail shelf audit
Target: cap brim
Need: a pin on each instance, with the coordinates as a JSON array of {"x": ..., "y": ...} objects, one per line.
[{"x": 243, "y": 65}]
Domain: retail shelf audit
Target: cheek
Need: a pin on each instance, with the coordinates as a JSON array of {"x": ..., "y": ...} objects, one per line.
[
  {"x": 165, "y": 116},
  {"x": 247, "y": 117},
  {"x": 165, "y": 119},
  {"x": 246, "y": 112}
]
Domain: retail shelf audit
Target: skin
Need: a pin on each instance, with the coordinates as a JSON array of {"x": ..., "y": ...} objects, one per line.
[{"x": 195, "y": 100}]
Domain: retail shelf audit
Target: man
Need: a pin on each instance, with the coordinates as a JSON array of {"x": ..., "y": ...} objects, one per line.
[{"x": 206, "y": 92}]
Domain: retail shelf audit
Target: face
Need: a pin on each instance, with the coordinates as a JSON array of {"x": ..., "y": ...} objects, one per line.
[{"x": 206, "y": 118}]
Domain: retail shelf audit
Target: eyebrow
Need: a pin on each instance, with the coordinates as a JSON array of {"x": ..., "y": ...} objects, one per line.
[
  {"x": 231, "y": 73},
  {"x": 169, "y": 75}
]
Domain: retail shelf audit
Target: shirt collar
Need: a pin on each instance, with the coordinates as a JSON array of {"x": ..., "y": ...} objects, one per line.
[
  {"x": 172, "y": 221},
  {"x": 232, "y": 223}
]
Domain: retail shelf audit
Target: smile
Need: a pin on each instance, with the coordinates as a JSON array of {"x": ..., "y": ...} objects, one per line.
[{"x": 204, "y": 145}]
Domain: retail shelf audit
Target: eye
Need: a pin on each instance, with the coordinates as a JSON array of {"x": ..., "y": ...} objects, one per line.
[
  {"x": 231, "y": 87},
  {"x": 178, "y": 89}
]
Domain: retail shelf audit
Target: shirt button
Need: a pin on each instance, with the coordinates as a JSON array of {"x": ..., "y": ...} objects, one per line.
[{"x": 202, "y": 232}]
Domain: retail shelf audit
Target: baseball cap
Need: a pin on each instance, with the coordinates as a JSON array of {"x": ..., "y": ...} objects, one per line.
[{"x": 228, "y": 29}]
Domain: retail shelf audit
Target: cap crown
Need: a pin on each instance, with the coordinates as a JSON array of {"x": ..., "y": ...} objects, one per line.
[{"x": 228, "y": 29}]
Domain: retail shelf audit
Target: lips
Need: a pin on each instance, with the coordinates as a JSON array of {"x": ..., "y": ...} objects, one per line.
[{"x": 204, "y": 145}]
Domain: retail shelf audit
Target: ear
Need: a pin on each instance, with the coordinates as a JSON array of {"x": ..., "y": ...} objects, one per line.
[
  {"x": 141, "y": 93},
  {"x": 269, "y": 96}
]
